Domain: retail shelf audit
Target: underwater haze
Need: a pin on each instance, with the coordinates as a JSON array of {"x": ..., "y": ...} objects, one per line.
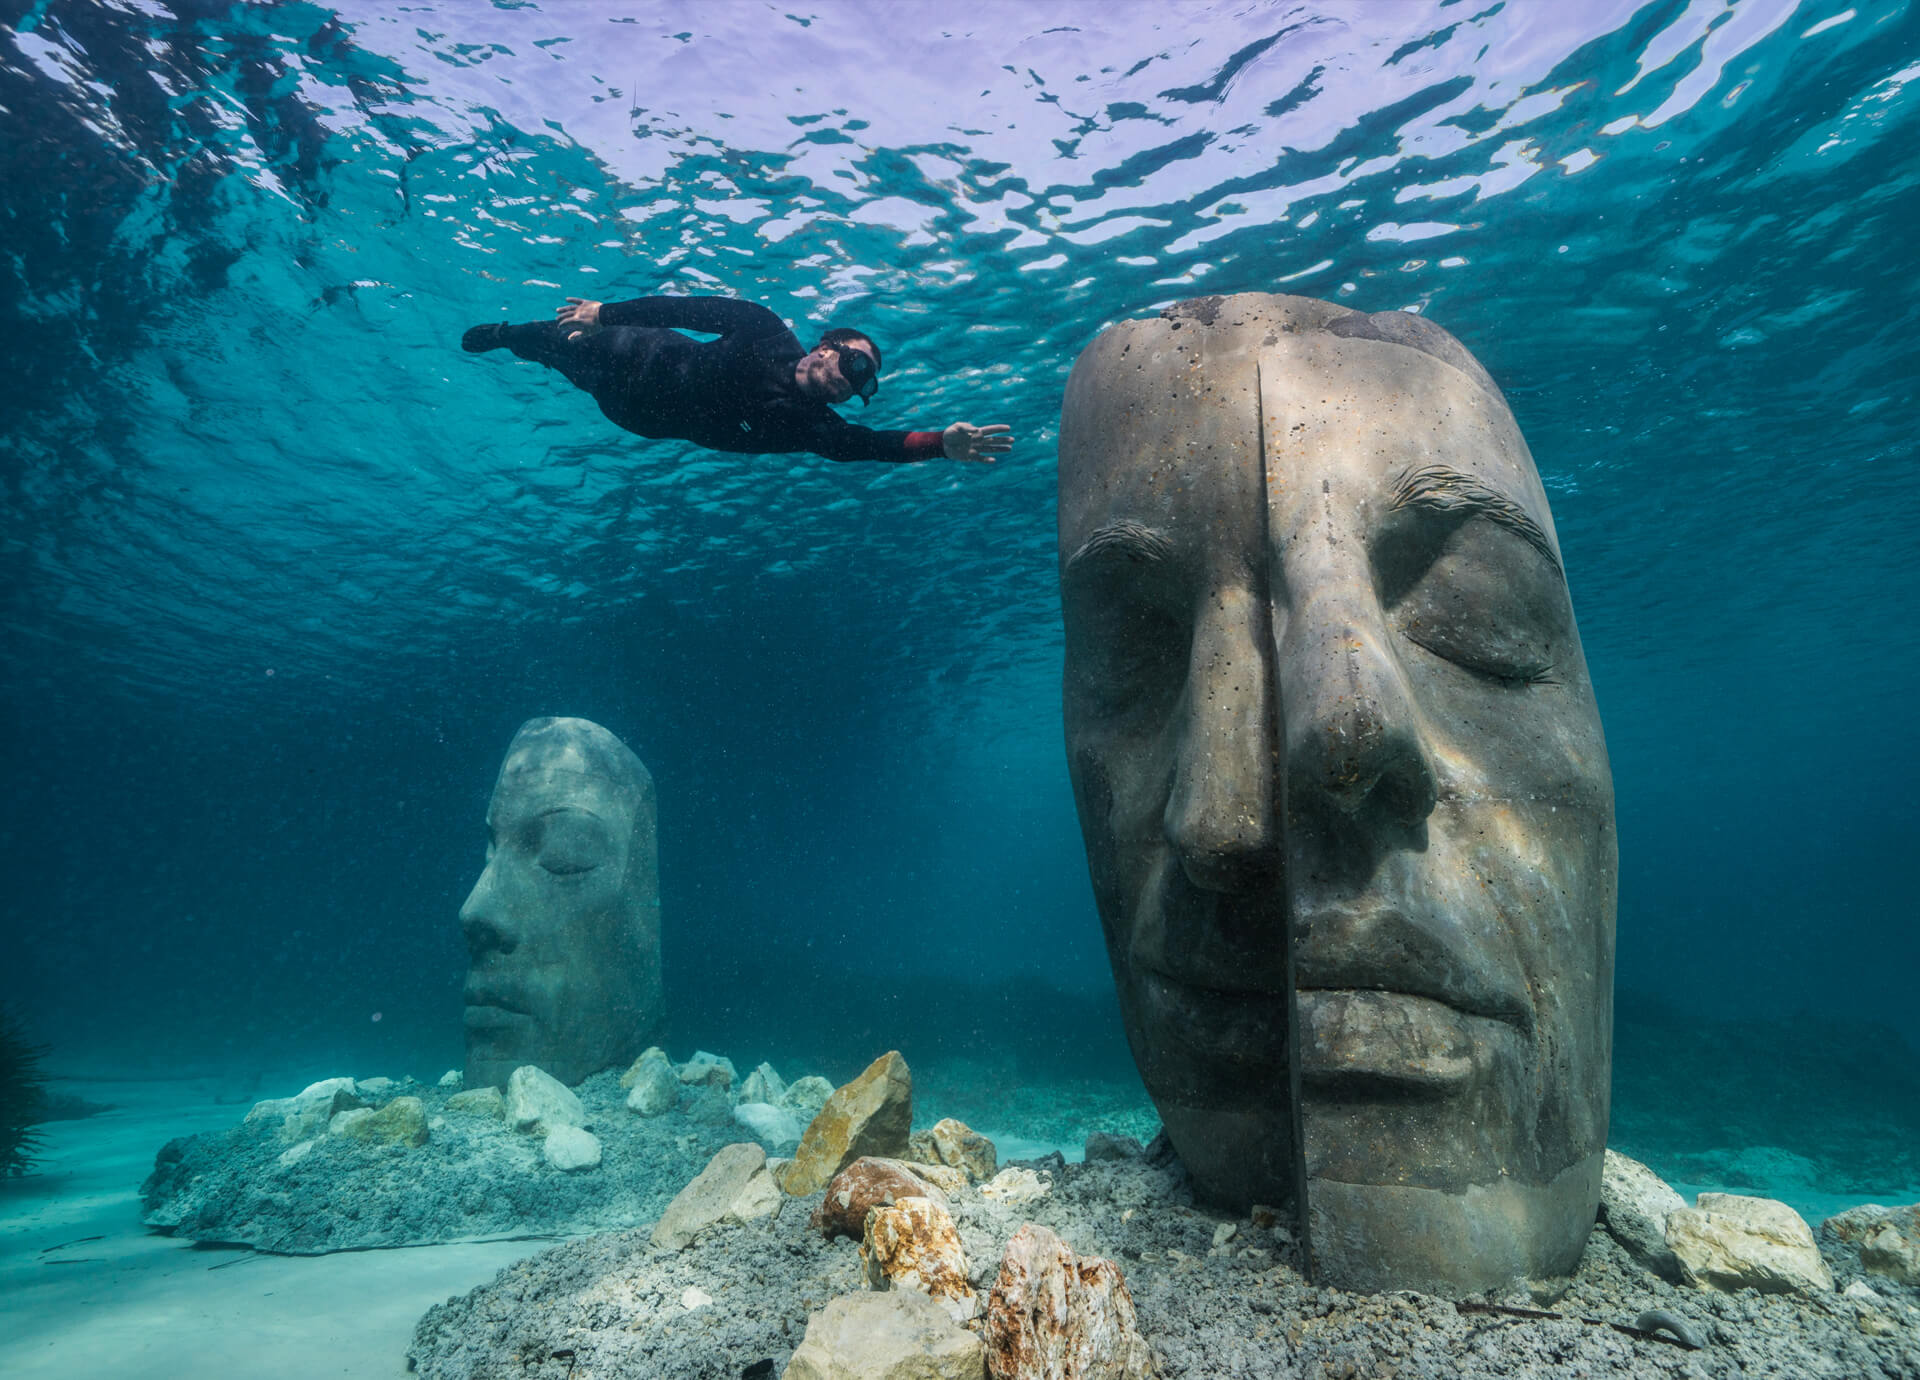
[{"x": 284, "y": 569}]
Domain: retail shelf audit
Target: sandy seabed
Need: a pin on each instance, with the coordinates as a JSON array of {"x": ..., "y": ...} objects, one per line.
[{"x": 85, "y": 1290}]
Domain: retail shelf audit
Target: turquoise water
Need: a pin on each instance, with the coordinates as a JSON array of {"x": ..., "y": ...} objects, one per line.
[{"x": 284, "y": 569}]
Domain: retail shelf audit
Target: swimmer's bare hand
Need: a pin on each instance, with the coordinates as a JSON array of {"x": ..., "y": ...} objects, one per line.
[
  {"x": 964, "y": 441},
  {"x": 581, "y": 313}
]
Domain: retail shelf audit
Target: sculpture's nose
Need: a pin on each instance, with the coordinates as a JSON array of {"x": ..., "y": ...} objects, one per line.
[
  {"x": 1353, "y": 733},
  {"x": 484, "y": 921},
  {"x": 1220, "y": 813}
]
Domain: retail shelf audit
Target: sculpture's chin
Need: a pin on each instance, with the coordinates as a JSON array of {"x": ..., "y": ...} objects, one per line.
[
  {"x": 498, "y": 1042},
  {"x": 1373, "y": 1237}
]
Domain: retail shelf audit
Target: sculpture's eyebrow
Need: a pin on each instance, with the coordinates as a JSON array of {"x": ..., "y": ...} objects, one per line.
[
  {"x": 1441, "y": 489},
  {"x": 1122, "y": 539}
]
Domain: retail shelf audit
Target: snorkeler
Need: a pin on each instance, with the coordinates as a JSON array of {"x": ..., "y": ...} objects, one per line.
[{"x": 754, "y": 390}]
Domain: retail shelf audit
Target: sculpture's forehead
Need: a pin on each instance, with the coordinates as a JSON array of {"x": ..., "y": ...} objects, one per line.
[
  {"x": 531, "y": 786},
  {"x": 1181, "y": 420},
  {"x": 1373, "y": 411}
]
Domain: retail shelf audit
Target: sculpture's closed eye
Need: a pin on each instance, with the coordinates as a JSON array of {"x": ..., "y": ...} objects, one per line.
[
  {"x": 1477, "y": 596},
  {"x": 569, "y": 843},
  {"x": 1124, "y": 657}
]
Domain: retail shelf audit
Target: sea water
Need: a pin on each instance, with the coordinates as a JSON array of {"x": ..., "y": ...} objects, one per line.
[{"x": 284, "y": 569}]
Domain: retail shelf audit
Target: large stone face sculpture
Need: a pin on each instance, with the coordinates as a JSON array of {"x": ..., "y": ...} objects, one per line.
[
  {"x": 563, "y": 927},
  {"x": 1341, "y": 778}
]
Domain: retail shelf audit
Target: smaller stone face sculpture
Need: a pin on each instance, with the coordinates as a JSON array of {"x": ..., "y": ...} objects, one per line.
[{"x": 563, "y": 927}]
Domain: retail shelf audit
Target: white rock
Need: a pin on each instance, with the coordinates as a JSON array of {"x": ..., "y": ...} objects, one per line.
[
  {"x": 1732, "y": 1242},
  {"x": 953, "y": 1142},
  {"x": 1888, "y": 1239},
  {"x": 774, "y": 1127},
  {"x": 453, "y": 1078},
  {"x": 655, "y": 1089},
  {"x": 571, "y": 1149},
  {"x": 1892, "y": 1252},
  {"x": 1869, "y": 1310},
  {"x": 374, "y": 1087},
  {"x": 1013, "y": 1186},
  {"x": 890, "y": 1336},
  {"x": 693, "y": 1296},
  {"x": 763, "y": 1085},
  {"x": 805, "y": 1097},
  {"x": 538, "y": 1102},
  {"x": 294, "y": 1154},
  {"x": 713, "y": 1070},
  {"x": 759, "y": 1196},
  {"x": 735, "y": 1186},
  {"x": 1635, "y": 1203},
  {"x": 306, "y": 1114},
  {"x": 1859, "y": 1291}
]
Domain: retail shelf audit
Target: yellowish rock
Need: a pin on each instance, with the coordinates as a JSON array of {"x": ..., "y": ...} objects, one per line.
[
  {"x": 402, "y": 1121},
  {"x": 912, "y": 1244},
  {"x": 942, "y": 1176},
  {"x": 478, "y": 1102},
  {"x": 869, "y": 1116},
  {"x": 1728, "y": 1241},
  {"x": 952, "y": 1142},
  {"x": 893, "y": 1335},
  {"x": 653, "y": 1054}
]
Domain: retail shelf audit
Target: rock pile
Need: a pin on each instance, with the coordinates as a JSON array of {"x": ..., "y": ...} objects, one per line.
[
  {"x": 1204, "y": 1295},
  {"x": 348, "y": 1164}
]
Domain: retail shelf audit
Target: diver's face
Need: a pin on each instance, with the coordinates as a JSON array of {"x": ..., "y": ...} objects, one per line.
[
  {"x": 823, "y": 375},
  {"x": 1322, "y": 678},
  {"x": 549, "y": 925}
]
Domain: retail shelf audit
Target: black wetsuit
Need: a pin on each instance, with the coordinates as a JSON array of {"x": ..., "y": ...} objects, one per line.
[{"x": 736, "y": 393}]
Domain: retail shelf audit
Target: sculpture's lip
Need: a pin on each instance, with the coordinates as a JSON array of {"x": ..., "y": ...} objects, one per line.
[
  {"x": 1382, "y": 949},
  {"x": 1230, "y": 1028},
  {"x": 1360, "y": 1043},
  {"x": 1234, "y": 944},
  {"x": 483, "y": 1004}
]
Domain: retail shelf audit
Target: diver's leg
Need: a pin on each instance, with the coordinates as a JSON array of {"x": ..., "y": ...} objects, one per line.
[{"x": 585, "y": 357}]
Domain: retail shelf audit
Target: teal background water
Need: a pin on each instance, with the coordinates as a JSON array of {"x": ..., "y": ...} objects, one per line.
[{"x": 283, "y": 569}]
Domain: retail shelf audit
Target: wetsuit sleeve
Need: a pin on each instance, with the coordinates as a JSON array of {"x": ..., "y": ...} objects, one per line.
[
  {"x": 838, "y": 439},
  {"x": 707, "y": 315}
]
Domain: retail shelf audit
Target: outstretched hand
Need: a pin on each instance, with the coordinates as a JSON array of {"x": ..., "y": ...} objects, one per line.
[
  {"x": 964, "y": 441},
  {"x": 582, "y": 313}
]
